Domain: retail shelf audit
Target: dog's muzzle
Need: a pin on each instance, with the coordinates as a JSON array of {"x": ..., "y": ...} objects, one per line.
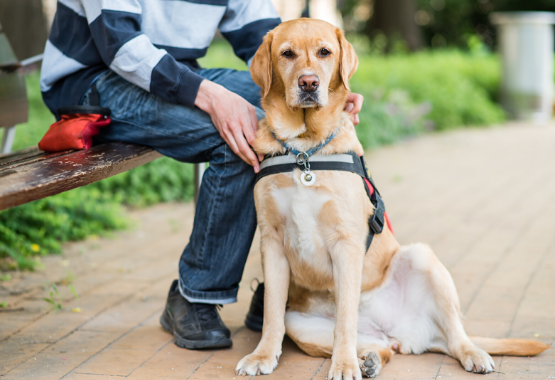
[
  {"x": 308, "y": 91},
  {"x": 308, "y": 99}
]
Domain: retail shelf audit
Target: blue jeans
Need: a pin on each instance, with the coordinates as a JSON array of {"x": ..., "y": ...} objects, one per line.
[{"x": 212, "y": 264}]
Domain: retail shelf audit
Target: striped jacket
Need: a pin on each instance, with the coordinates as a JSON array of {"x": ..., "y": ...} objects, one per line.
[{"x": 151, "y": 43}]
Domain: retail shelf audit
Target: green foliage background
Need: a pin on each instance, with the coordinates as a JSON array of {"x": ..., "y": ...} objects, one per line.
[
  {"x": 404, "y": 95},
  {"x": 447, "y": 23}
]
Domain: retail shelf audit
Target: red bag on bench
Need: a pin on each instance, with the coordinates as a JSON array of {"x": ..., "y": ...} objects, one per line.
[{"x": 76, "y": 128}]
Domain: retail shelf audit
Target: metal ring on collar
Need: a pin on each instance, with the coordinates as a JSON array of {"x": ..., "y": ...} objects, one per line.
[{"x": 302, "y": 158}]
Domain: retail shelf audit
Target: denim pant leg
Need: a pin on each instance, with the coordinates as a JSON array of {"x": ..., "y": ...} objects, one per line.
[{"x": 212, "y": 264}]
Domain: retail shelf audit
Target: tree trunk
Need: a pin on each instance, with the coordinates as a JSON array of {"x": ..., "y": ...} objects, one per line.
[
  {"x": 395, "y": 18},
  {"x": 24, "y": 24}
]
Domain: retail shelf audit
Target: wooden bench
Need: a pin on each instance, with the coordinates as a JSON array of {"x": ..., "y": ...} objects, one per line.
[{"x": 30, "y": 174}]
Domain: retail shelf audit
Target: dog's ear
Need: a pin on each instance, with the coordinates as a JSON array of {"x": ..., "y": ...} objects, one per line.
[
  {"x": 348, "y": 60},
  {"x": 261, "y": 65}
]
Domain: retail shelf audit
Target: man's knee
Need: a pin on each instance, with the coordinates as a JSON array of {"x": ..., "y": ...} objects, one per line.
[{"x": 225, "y": 157}]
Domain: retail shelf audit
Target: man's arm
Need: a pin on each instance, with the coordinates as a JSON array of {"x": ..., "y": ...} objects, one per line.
[
  {"x": 116, "y": 31},
  {"x": 244, "y": 25}
]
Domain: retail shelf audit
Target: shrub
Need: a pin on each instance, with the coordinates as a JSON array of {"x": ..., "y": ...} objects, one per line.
[
  {"x": 163, "y": 180},
  {"x": 387, "y": 118},
  {"x": 460, "y": 88},
  {"x": 39, "y": 228}
]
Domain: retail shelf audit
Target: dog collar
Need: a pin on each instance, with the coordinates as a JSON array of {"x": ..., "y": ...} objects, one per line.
[
  {"x": 311, "y": 151},
  {"x": 308, "y": 178},
  {"x": 349, "y": 162}
]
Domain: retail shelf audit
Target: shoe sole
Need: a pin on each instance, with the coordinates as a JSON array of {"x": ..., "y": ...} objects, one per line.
[
  {"x": 254, "y": 322},
  {"x": 193, "y": 344}
]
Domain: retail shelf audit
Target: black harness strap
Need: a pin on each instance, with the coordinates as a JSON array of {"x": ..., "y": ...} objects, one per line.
[{"x": 357, "y": 166}]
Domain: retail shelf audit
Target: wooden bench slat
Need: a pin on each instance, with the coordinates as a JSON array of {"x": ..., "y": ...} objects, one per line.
[
  {"x": 28, "y": 158},
  {"x": 14, "y": 156},
  {"x": 37, "y": 177}
]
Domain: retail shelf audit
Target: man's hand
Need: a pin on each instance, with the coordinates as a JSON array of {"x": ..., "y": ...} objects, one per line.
[
  {"x": 353, "y": 106},
  {"x": 234, "y": 118}
]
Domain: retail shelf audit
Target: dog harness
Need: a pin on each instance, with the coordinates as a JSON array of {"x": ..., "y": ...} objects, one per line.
[{"x": 348, "y": 162}]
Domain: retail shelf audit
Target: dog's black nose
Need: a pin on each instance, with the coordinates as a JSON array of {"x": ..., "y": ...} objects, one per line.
[{"x": 309, "y": 82}]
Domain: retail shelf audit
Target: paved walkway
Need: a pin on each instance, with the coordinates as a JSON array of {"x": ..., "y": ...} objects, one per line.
[{"x": 483, "y": 199}]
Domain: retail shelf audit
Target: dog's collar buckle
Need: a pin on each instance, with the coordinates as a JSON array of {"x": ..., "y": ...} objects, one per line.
[
  {"x": 302, "y": 159},
  {"x": 308, "y": 178}
]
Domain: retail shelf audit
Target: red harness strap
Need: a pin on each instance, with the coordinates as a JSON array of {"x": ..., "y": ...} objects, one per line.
[{"x": 371, "y": 188}]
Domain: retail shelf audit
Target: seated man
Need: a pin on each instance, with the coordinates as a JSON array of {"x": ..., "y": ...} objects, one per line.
[{"x": 141, "y": 57}]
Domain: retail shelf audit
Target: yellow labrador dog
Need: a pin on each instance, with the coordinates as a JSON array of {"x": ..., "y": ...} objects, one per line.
[{"x": 357, "y": 307}]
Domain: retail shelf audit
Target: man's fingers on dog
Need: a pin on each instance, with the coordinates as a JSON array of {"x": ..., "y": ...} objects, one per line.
[
  {"x": 246, "y": 150},
  {"x": 249, "y": 131},
  {"x": 228, "y": 137},
  {"x": 356, "y": 100},
  {"x": 251, "y": 126},
  {"x": 349, "y": 107},
  {"x": 254, "y": 118},
  {"x": 355, "y": 119}
]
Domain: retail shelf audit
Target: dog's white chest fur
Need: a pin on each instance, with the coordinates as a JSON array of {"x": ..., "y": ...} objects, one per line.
[{"x": 301, "y": 205}]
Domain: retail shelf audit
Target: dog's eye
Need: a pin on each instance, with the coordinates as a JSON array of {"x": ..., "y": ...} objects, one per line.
[
  {"x": 324, "y": 52},
  {"x": 288, "y": 54}
]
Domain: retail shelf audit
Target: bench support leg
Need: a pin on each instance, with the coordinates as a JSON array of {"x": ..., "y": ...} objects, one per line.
[
  {"x": 7, "y": 140},
  {"x": 199, "y": 171}
]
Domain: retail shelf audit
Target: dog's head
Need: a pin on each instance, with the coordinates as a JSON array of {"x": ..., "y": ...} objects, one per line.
[{"x": 304, "y": 60}]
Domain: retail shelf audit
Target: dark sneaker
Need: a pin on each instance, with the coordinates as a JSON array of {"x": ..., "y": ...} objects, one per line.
[
  {"x": 255, "y": 316},
  {"x": 194, "y": 325}
]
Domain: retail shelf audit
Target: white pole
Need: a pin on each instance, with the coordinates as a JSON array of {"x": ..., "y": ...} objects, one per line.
[
  {"x": 7, "y": 140},
  {"x": 526, "y": 46}
]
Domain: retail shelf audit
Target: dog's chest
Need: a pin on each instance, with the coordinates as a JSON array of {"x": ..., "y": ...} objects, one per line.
[{"x": 300, "y": 206}]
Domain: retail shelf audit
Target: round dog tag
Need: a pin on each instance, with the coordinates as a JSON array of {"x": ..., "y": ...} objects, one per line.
[{"x": 308, "y": 178}]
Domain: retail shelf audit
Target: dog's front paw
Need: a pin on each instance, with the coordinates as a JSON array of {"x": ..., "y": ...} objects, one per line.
[
  {"x": 370, "y": 364},
  {"x": 477, "y": 360},
  {"x": 255, "y": 364},
  {"x": 344, "y": 368}
]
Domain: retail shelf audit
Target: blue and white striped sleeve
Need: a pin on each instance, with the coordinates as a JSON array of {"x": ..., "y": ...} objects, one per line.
[
  {"x": 245, "y": 23},
  {"x": 116, "y": 30}
]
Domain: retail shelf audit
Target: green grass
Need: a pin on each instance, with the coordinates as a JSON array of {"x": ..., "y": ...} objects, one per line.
[{"x": 404, "y": 95}]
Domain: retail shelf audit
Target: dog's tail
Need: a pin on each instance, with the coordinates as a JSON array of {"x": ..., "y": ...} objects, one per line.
[{"x": 512, "y": 347}]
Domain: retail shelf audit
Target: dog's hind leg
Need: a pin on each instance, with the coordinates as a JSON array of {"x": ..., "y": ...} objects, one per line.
[
  {"x": 314, "y": 335},
  {"x": 372, "y": 357},
  {"x": 446, "y": 310}
]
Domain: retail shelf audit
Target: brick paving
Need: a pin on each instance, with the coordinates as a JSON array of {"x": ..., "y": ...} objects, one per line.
[{"x": 483, "y": 199}]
